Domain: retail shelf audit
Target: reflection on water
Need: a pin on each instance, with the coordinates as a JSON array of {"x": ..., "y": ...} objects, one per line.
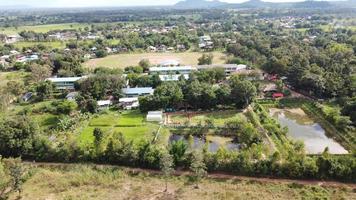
[
  {"x": 213, "y": 142},
  {"x": 302, "y": 127}
]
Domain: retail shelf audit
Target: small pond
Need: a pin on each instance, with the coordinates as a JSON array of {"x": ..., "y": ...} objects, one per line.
[
  {"x": 214, "y": 142},
  {"x": 302, "y": 127}
]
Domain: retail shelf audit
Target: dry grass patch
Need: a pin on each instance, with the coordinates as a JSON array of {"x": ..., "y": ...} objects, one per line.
[
  {"x": 132, "y": 59},
  {"x": 87, "y": 182}
]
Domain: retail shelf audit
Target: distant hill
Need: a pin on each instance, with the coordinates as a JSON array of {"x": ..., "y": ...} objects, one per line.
[
  {"x": 189, "y": 4},
  {"x": 312, "y": 4}
]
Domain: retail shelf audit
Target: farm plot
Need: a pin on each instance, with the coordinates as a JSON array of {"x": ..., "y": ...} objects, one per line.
[
  {"x": 130, "y": 123},
  {"x": 218, "y": 118}
]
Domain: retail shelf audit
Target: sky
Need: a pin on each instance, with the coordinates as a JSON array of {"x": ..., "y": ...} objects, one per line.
[{"x": 102, "y": 3}]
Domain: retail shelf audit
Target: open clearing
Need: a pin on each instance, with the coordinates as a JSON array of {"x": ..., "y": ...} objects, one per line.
[
  {"x": 89, "y": 182},
  {"x": 125, "y": 60},
  {"x": 218, "y": 118},
  {"x": 53, "y": 44},
  {"x": 130, "y": 123},
  {"x": 43, "y": 28}
]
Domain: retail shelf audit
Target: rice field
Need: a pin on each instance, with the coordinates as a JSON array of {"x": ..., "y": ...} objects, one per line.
[{"x": 130, "y": 123}]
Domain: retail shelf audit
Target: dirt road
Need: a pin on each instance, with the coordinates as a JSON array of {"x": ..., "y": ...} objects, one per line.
[{"x": 212, "y": 175}]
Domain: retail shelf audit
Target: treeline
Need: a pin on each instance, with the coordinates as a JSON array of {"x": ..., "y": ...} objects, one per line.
[
  {"x": 201, "y": 91},
  {"x": 21, "y": 137}
]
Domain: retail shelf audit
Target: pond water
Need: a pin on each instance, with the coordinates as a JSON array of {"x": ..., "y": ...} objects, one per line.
[
  {"x": 214, "y": 142},
  {"x": 302, "y": 127}
]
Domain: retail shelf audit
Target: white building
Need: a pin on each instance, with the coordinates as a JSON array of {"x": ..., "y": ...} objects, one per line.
[
  {"x": 173, "y": 77},
  {"x": 71, "y": 96},
  {"x": 205, "y": 42},
  {"x": 136, "y": 92},
  {"x": 154, "y": 116},
  {"x": 104, "y": 104},
  {"x": 129, "y": 103},
  {"x": 228, "y": 68},
  {"x": 172, "y": 70},
  {"x": 66, "y": 83},
  {"x": 169, "y": 63}
]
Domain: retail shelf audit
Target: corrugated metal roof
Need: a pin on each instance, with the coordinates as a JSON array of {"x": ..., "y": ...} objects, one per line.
[
  {"x": 139, "y": 90},
  {"x": 64, "y": 79},
  {"x": 177, "y": 68}
]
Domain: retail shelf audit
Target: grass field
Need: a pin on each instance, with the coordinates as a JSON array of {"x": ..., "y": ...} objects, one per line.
[
  {"x": 130, "y": 123},
  {"x": 43, "y": 28},
  {"x": 218, "y": 117},
  {"x": 52, "y": 45},
  {"x": 124, "y": 60},
  {"x": 86, "y": 182}
]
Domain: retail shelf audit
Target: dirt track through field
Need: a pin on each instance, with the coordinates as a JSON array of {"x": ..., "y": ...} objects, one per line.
[{"x": 212, "y": 175}]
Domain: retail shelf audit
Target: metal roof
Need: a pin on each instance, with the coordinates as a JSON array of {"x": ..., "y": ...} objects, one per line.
[
  {"x": 64, "y": 79},
  {"x": 177, "y": 68},
  {"x": 173, "y": 77},
  {"x": 139, "y": 90}
]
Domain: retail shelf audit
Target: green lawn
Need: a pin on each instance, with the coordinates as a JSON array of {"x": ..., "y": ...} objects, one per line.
[
  {"x": 132, "y": 59},
  {"x": 130, "y": 123},
  {"x": 51, "y": 45},
  {"x": 43, "y": 28}
]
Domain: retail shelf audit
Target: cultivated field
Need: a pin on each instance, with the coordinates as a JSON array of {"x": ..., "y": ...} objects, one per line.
[
  {"x": 42, "y": 28},
  {"x": 88, "y": 182},
  {"x": 51, "y": 45},
  {"x": 124, "y": 60},
  {"x": 130, "y": 123},
  {"x": 218, "y": 118}
]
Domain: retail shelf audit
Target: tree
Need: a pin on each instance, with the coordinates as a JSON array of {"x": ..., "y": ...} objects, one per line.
[
  {"x": 100, "y": 85},
  {"x": 66, "y": 107},
  {"x": 243, "y": 91},
  {"x": 87, "y": 104},
  {"x": 166, "y": 165},
  {"x": 45, "y": 89},
  {"x": 198, "y": 167},
  {"x": 16, "y": 88},
  {"x": 40, "y": 72},
  {"x": 206, "y": 59},
  {"x": 12, "y": 176},
  {"x": 98, "y": 136},
  {"x": 178, "y": 149},
  {"x": 169, "y": 94},
  {"x": 101, "y": 54},
  {"x": 17, "y": 136},
  {"x": 145, "y": 64}
]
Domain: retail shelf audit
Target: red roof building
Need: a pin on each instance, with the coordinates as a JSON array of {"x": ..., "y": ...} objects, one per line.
[{"x": 278, "y": 95}]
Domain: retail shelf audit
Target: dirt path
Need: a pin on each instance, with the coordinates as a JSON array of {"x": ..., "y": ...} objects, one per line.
[{"x": 212, "y": 175}]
